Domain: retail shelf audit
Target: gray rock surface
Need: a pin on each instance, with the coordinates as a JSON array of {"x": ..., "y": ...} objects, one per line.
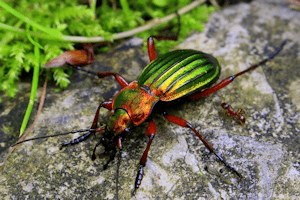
[{"x": 265, "y": 150}]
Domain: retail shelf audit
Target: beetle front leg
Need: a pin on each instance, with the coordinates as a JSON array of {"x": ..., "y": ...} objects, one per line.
[
  {"x": 183, "y": 123},
  {"x": 151, "y": 131},
  {"x": 105, "y": 104}
]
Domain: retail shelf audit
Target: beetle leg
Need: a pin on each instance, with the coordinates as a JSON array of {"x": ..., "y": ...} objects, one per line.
[
  {"x": 118, "y": 77},
  {"x": 105, "y": 104},
  {"x": 121, "y": 80},
  {"x": 151, "y": 46},
  {"x": 151, "y": 131},
  {"x": 94, "y": 151},
  {"x": 183, "y": 123},
  {"x": 111, "y": 158},
  {"x": 150, "y": 42},
  {"x": 228, "y": 80}
]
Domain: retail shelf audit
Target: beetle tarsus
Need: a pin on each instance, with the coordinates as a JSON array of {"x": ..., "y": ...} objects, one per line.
[
  {"x": 151, "y": 131},
  {"x": 138, "y": 179},
  {"x": 77, "y": 140},
  {"x": 227, "y": 165},
  {"x": 84, "y": 70}
]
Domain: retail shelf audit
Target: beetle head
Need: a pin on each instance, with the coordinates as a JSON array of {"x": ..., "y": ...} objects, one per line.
[{"x": 118, "y": 122}]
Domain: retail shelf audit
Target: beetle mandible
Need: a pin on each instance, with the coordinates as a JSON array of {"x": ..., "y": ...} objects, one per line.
[{"x": 177, "y": 74}]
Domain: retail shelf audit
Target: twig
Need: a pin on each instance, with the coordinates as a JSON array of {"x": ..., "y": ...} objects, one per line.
[
  {"x": 81, "y": 39},
  {"x": 149, "y": 25},
  {"x": 215, "y": 4}
]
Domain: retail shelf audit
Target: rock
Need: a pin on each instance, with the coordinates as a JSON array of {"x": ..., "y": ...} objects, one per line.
[{"x": 265, "y": 150}]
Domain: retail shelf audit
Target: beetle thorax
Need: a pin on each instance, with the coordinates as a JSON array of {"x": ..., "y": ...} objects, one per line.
[
  {"x": 135, "y": 101},
  {"x": 118, "y": 122}
]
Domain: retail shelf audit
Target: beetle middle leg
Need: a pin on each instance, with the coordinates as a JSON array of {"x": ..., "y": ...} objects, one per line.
[
  {"x": 151, "y": 131},
  {"x": 183, "y": 123}
]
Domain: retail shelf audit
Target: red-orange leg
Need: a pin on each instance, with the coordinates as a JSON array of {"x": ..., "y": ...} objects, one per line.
[
  {"x": 105, "y": 104},
  {"x": 151, "y": 46},
  {"x": 150, "y": 42},
  {"x": 228, "y": 80},
  {"x": 118, "y": 77},
  {"x": 108, "y": 106},
  {"x": 183, "y": 123},
  {"x": 151, "y": 131},
  {"x": 121, "y": 80}
]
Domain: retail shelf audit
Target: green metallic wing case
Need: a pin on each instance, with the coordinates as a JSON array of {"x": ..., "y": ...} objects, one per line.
[{"x": 179, "y": 73}]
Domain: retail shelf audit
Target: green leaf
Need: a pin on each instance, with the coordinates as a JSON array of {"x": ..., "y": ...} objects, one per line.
[{"x": 61, "y": 77}]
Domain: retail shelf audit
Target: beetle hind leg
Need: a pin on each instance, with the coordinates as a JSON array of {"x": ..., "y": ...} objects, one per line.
[
  {"x": 228, "y": 80},
  {"x": 183, "y": 123},
  {"x": 150, "y": 41},
  {"x": 120, "y": 79}
]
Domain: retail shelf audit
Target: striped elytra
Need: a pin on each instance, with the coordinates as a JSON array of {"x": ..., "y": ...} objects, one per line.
[{"x": 179, "y": 73}]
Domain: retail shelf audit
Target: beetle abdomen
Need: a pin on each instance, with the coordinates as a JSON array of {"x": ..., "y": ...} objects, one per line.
[{"x": 179, "y": 73}]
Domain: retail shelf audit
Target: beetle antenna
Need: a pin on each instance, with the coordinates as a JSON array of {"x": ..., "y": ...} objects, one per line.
[{"x": 42, "y": 137}]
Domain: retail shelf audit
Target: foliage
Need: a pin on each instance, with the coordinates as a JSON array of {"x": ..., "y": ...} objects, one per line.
[{"x": 16, "y": 51}]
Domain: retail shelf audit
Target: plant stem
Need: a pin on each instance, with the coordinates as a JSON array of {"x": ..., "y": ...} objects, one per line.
[
  {"x": 34, "y": 86},
  {"x": 125, "y": 34}
]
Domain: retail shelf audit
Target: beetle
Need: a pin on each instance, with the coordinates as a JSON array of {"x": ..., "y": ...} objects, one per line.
[
  {"x": 238, "y": 115},
  {"x": 169, "y": 77}
]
